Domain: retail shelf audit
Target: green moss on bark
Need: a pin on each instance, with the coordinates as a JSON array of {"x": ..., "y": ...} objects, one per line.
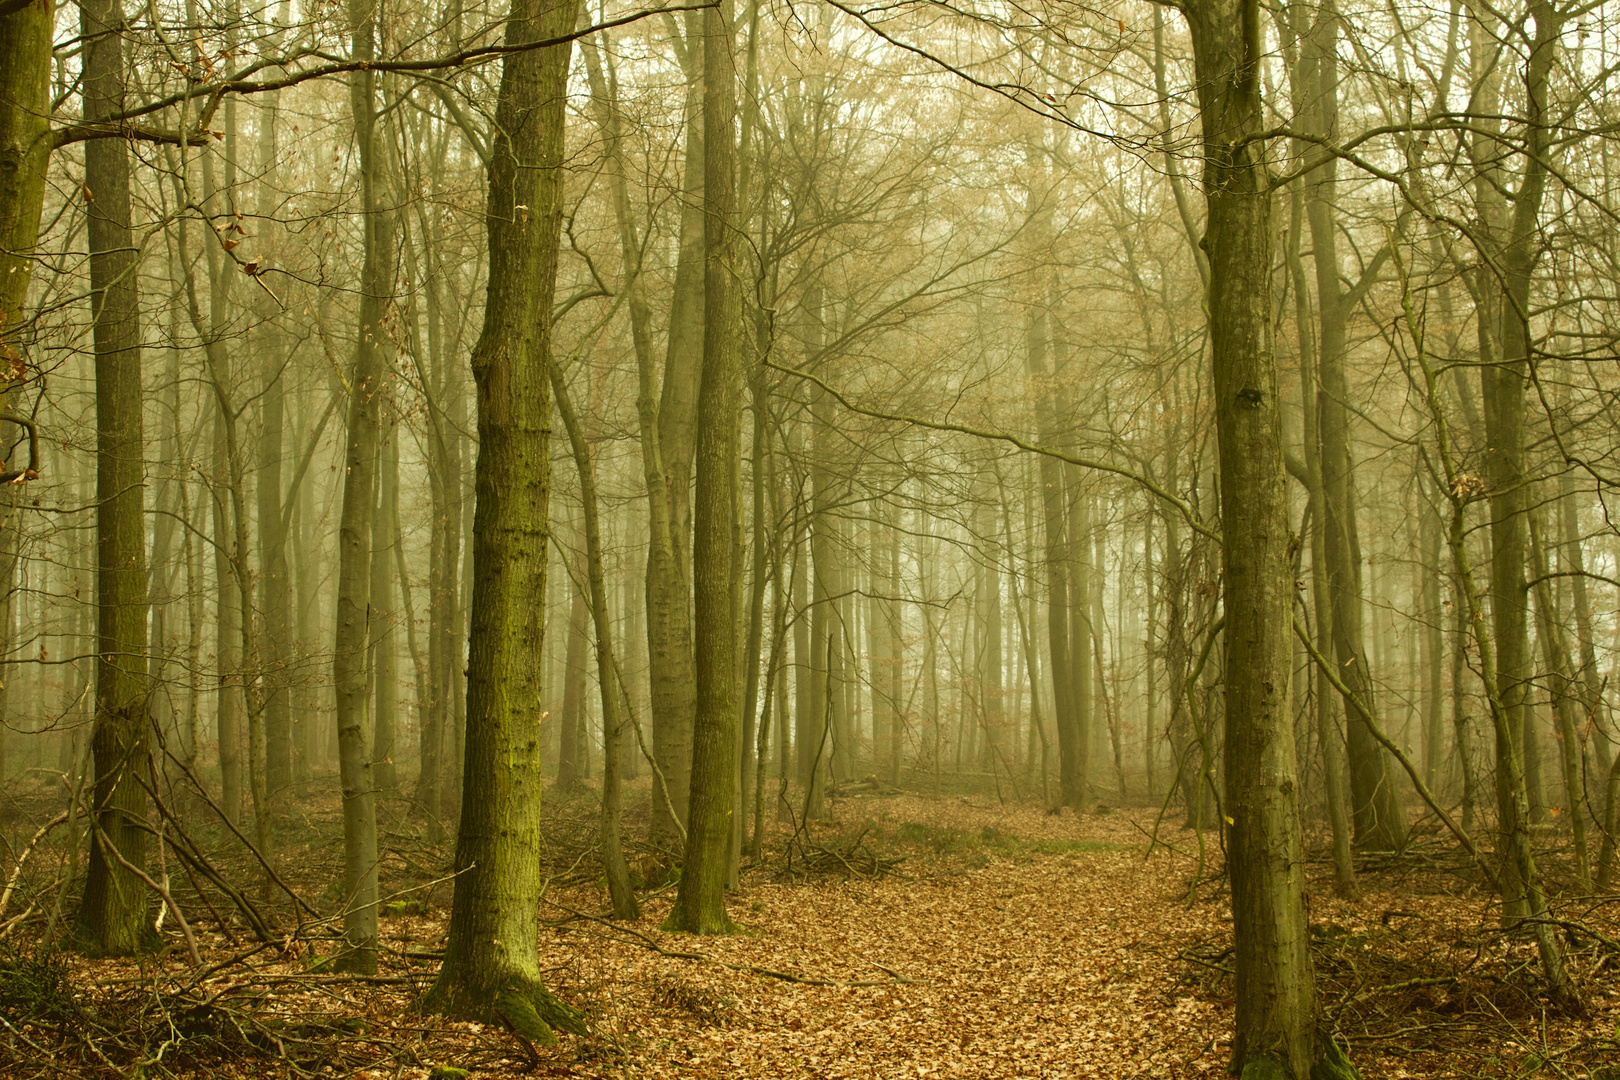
[
  {"x": 1334, "y": 1064},
  {"x": 537, "y": 1014}
]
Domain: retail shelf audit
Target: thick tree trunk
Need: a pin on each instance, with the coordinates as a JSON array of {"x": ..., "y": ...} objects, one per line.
[
  {"x": 112, "y": 915},
  {"x": 25, "y": 147},
  {"x": 491, "y": 969}
]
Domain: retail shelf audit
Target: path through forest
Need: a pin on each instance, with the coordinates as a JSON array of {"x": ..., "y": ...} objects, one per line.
[{"x": 1008, "y": 943}]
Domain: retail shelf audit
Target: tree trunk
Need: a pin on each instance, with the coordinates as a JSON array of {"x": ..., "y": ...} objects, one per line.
[
  {"x": 607, "y": 670},
  {"x": 1555, "y": 654},
  {"x": 1276, "y": 1003},
  {"x": 1327, "y": 728},
  {"x": 571, "y": 753},
  {"x": 491, "y": 969},
  {"x": 363, "y": 434},
  {"x": 1379, "y": 821},
  {"x": 112, "y": 916},
  {"x": 25, "y": 148},
  {"x": 1071, "y": 786},
  {"x": 275, "y": 586},
  {"x": 384, "y": 616},
  {"x": 667, "y": 436},
  {"x": 699, "y": 902}
]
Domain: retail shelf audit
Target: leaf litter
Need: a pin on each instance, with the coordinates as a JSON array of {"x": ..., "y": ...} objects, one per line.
[{"x": 946, "y": 939}]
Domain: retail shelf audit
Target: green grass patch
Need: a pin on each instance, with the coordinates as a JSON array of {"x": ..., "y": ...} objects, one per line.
[{"x": 944, "y": 840}]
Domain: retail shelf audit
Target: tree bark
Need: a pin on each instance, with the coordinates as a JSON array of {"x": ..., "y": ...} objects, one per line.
[
  {"x": 25, "y": 114},
  {"x": 112, "y": 916},
  {"x": 491, "y": 968},
  {"x": 363, "y": 434},
  {"x": 1276, "y": 1030},
  {"x": 699, "y": 902}
]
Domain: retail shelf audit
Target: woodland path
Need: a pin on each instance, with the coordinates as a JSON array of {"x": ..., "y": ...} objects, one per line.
[
  {"x": 1012, "y": 944},
  {"x": 1020, "y": 964}
]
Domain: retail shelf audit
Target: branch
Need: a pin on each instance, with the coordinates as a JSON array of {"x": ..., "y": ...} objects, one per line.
[
  {"x": 1332, "y": 675},
  {"x": 160, "y": 889},
  {"x": 11, "y": 882},
  {"x": 241, "y": 84},
  {"x": 12, "y": 476},
  {"x": 1181, "y": 505}
]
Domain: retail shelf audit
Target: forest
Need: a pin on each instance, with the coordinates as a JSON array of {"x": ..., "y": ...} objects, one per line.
[{"x": 849, "y": 538}]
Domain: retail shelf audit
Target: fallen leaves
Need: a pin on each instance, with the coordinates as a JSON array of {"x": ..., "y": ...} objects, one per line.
[{"x": 1021, "y": 945}]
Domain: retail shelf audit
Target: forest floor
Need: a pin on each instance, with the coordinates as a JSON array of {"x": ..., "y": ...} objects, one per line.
[{"x": 909, "y": 937}]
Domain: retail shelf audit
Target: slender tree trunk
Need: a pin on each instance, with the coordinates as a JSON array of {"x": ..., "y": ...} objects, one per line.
[
  {"x": 752, "y": 642},
  {"x": 1380, "y": 822},
  {"x": 275, "y": 585},
  {"x": 1433, "y": 646},
  {"x": 1524, "y": 894},
  {"x": 607, "y": 669},
  {"x": 667, "y": 416},
  {"x": 361, "y": 443},
  {"x": 1327, "y": 728},
  {"x": 1071, "y": 786},
  {"x": 1461, "y": 722},
  {"x": 384, "y": 616},
  {"x": 1555, "y": 655},
  {"x": 572, "y": 759},
  {"x": 699, "y": 902},
  {"x": 1083, "y": 692},
  {"x": 1276, "y": 1006}
]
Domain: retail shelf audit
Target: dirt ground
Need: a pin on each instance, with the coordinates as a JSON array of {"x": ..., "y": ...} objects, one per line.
[{"x": 1005, "y": 942}]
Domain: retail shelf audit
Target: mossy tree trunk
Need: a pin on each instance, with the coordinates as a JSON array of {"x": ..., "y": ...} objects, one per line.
[
  {"x": 491, "y": 968},
  {"x": 25, "y": 111}
]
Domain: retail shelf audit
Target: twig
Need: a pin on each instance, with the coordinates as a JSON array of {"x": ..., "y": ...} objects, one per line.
[
  {"x": 1409, "y": 984},
  {"x": 11, "y": 882},
  {"x": 161, "y": 890},
  {"x": 651, "y": 944}
]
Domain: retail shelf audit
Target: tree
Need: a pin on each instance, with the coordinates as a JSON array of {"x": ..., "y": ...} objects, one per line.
[
  {"x": 366, "y": 385},
  {"x": 1276, "y": 1032},
  {"x": 490, "y": 968},
  {"x": 112, "y": 916},
  {"x": 699, "y": 902}
]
